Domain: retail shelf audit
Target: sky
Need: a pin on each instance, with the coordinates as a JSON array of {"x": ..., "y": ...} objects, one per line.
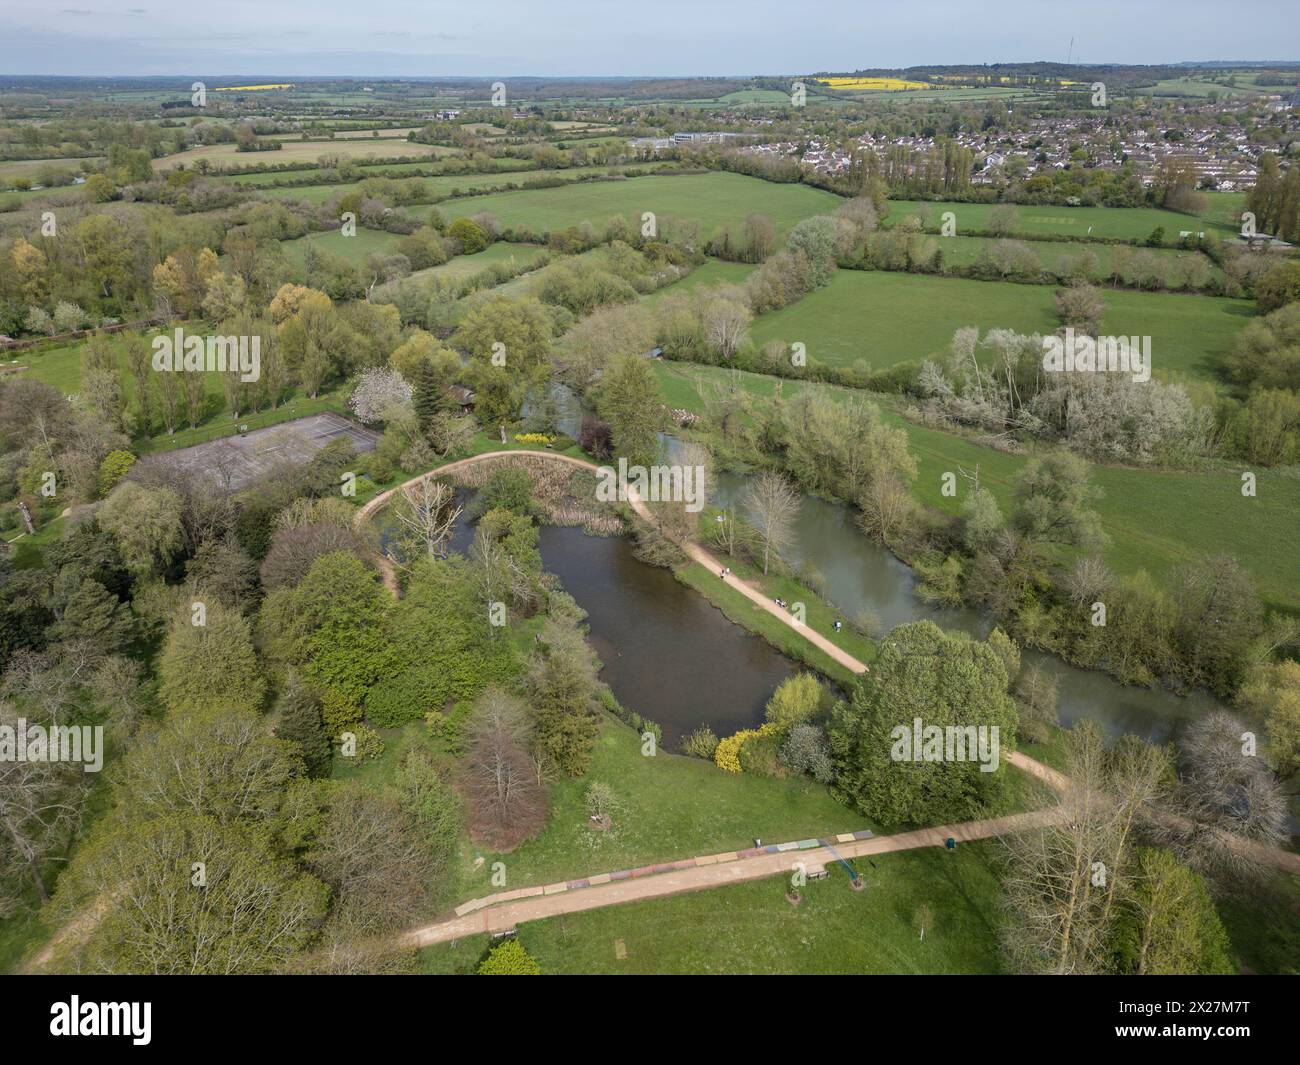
[{"x": 408, "y": 38}]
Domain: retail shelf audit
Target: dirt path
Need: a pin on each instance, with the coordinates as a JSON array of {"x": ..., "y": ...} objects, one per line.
[{"x": 503, "y": 911}]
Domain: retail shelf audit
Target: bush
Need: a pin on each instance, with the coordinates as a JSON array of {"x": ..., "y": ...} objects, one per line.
[
  {"x": 115, "y": 466},
  {"x": 701, "y": 743},
  {"x": 509, "y": 959},
  {"x": 806, "y": 750}
]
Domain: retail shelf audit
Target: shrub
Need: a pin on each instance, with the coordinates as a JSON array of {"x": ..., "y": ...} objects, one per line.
[
  {"x": 509, "y": 959},
  {"x": 701, "y": 743},
  {"x": 806, "y": 750},
  {"x": 115, "y": 466}
]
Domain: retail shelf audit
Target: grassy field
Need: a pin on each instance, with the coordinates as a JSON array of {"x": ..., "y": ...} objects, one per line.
[
  {"x": 1124, "y": 223},
  {"x": 752, "y": 928},
  {"x": 669, "y": 807},
  {"x": 714, "y": 199},
  {"x": 1060, "y": 257},
  {"x": 354, "y": 249},
  {"x": 500, "y": 253},
  {"x": 713, "y": 272},
  {"x": 296, "y": 151},
  {"x": 61, "y": 367},
  {"x": 443, "y": 185},
  {"x": 1155, "y": 519},
  {"x": 888, "y": 318}
]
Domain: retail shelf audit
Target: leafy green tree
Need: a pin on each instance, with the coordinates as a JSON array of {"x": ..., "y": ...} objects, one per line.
[
  {"x": 946, "y": 681},
  {"x": 1167, "y": 924},
  {"x": 298, "y": 719},
  {"x": 211, "y": 666},
  {"x": 1054, "y": 501},
  {"x": 95, "y": 615},
  {"x": 434, "y": 804},
  {"x": 147, "y": 524},
  {"x": 628, "y": 398},
  {"x": 561, "y": 682},
  {"x": 254, "y": 911}
]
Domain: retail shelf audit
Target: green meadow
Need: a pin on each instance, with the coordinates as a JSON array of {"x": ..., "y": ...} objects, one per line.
[
  {"x": 715, "y": 200},
  {"x": 354, "y": 248},
  {"x": 1123, "y": 223},
  {"x": 1060, "y": 258},
  {"x": 752, "y": 928},
  {"x": 887, "y": 318}
]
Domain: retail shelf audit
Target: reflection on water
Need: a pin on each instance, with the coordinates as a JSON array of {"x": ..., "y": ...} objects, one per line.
[{"x": 668, "y": 653}]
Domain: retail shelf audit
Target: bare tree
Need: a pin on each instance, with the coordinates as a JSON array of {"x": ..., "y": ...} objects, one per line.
[
  {"x": 506, "y": 804},
  {"x": 40, "y": 808},
  {"x": 775, "y": 504},
  {"x": 1228, "y": 804},
  {"x": 426, "y": 512}
]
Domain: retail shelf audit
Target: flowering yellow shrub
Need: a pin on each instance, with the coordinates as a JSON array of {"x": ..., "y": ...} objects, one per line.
[
  {"x": 532, "y": 439},
  {"x": 727, "y": 754}
]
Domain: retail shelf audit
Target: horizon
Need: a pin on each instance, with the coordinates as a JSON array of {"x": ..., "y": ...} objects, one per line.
[{"x": 579, "y": 39}]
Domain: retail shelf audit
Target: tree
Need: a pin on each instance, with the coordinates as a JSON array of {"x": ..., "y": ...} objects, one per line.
[
  {"x": 1167, "y": 924},
  {"x": 254, "y": 911},
  {"x": 208, "y": 664},
  {"x": 506, "y": 803},
  {"x": 94, "y": 615},
  {"x": 774, "y": 504},
  {"x": 1226, "y": 797},
  {"x": 379, "y": 392},
  {"x": 427, "y": 513},
  {"x": 434, "y": 805},
  {"x": 298, "y": 720},
  {"x": 509, "y": 959},
  {"x": 561, "y": 684},
  {"x": 1054, "y": 499},
  {"x": 370, "y": 852},
  {"x": 146, "y": 523},
  {"x": 40, "y": 809},
  {"x": 948, "y": 681},
  {"x": 922, "y": 918},
  {"x": 628, "y": 398}
]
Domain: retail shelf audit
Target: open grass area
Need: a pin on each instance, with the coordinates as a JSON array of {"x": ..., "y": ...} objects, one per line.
[
  {"x": 354, "y": 248},
  {"x": 501, "y": 253},
  {"x": 1124, "y": 223},
  {"x": 715, "y": 200},
  {"x": 61, "y": 367},
  {"x": 889, "y": 318},
  {"x": 443, "y": 185},
  {"x": 1155, "y": 519},
  {"x": 297, "y": 151},
  {"x": 713, "y": 272},
  {"x": 1060, "y": 257},
  {"x": 752, "y": 928}
]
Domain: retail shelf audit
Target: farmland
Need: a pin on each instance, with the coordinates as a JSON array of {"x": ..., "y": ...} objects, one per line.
[
  {"x": 1116, "y": 223},
  {"x": 714, "y": 200},
  {"x": 889, "y": 318},
  {"x": 297, "y": 151}
]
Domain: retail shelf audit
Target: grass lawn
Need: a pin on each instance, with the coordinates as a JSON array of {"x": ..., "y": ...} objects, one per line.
[
  {"x": 752, "y": 928},
  {"x": 713, "y": 272},
  {"x": 1155, "y": 519},
  {"x": 354, "y": 248},
  {"x": 463, "y": 266},
  {"x": 1123, "y": 223},
  {"x": 61, "y": 367},
  {"x": 443, "y": 185},
  {"x": 714, "y": 199},
  {"x": 1060, "y": 257},
  {"x": 297, "y": 151},
  {"x": 889, "y": 318}
]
